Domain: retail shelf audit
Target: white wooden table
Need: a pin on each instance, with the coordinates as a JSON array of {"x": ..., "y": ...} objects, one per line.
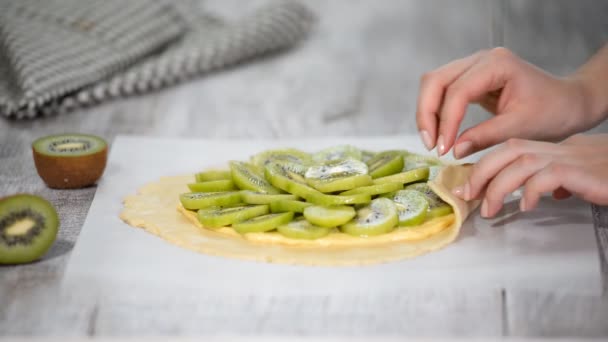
[{"x": 356, "y": 75}]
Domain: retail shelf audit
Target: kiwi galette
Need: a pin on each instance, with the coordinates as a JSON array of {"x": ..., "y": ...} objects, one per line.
[{"x": 337, "y": 206}]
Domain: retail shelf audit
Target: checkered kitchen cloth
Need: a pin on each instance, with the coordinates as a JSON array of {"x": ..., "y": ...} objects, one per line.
[{"x": 57, "y": 55}]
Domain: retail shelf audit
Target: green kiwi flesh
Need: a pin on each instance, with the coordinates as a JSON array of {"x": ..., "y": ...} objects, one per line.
[
  {"x": 213, "y": 175},
  {"x": 380, "y": 217},
  {"x": 385, "y": 164},
  {"x": 28, "y": 227},
  {"x": 252, "y": 197},
  {"x": 199, "y": 200},
  {"x": 262, "y": 223},
  {"x": 215, "y": 217},
  {"x": 248, "y": 177},
  {"x": 69, "y": 161},
  {"x": 212, "y": 186},
  {"x": 288, "y": 205},
  {"x": 329, "y": 216},
  {"x": 303, "y": 230},
  {"x": 412, "y": 207},
  {"x": 307, "y": 195}
]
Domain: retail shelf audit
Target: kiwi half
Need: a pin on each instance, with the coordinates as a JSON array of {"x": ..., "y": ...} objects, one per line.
[
  {"x": 28, "y": 228},
  {"x": 68, "y": 161}
]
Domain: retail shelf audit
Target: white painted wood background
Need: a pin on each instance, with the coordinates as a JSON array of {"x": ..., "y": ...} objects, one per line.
[{"x": 356, "y": 75}]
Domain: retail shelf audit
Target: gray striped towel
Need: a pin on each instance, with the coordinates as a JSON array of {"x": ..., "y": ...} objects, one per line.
[{"x": 57, "y": 55}]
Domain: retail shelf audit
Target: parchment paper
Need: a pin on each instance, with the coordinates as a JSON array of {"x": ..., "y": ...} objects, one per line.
[{"x": 551, "y": 248}]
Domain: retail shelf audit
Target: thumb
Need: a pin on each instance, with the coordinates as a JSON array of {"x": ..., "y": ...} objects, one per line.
[{"x": 487, "y": 134}]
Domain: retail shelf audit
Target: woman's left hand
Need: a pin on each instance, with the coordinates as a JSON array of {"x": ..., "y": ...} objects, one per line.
[{"x": 577, "y": 166}]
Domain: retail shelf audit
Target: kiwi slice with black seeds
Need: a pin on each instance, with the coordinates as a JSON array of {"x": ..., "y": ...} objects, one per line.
[
  {"x": 68, "y": 161},
  {"x": 199, "y": 200},
  {"x": 338, "y": 175},
  {"x": 303, "y": 230},
  {"x": 214, "y": 217},
  {"x": 412, "y": 207},
  {"x": 437, "y": 206},
  {"x": 385, "y": 164},
  {"x": 248, "y": 177},
  {"x": 289, "y": 155},
  {"x": 405, "y": 177},
  {"x": 282, "y": 177},
  {"x": 28, "y": 228},
  {"x": 262, "y": 223},
  {"x": 380, "y": 217},
  {"x": 337, "y": 153}
]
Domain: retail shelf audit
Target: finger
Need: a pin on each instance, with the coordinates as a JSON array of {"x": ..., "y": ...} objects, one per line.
[
  {"x": 548, "y": 179},
  {"x": 489, "y": 165},
  {"x": 481, "y": 78},
  {"x": 510, "y": 179},
  {"x": 486, "y": 134},
  {"x": 574, "y": 179},
  {"x": 430, "y": 97}
]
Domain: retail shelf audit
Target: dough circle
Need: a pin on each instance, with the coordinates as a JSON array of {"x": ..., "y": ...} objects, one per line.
[{"x": 156, "y": 209}]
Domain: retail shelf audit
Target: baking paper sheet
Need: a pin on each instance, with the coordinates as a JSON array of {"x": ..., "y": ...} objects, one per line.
[{"x": 551, "y": 248}]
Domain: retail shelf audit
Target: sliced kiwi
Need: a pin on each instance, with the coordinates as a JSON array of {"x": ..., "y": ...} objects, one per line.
[
  {"x": 290, "y": 155},
  {"x": 247, "y": 177},
  {"x": 282, "y": 177},
  {"x": 302, "y": 229},
  {"x": 199, "y": 200},
  {"x": 213, "y": 175},
  {"x": 338, "y": 175},
  {"x": 212, "y": 186},
  {"x": 412, "y": 207},
  {"x": 337, "y": 153},
  {"x": 373, "y": 190},
  {"x": 262, "y": 223},
  {"x": 214, "y": 217},
  {"x": 329, "y": 200},
  {"x": 329, "y": 216},
  {"x": 28, "y": 228},
  {"x": 380, "y": 217},
  {"x": 288, "y": 205},
  {"x": 252, "y": 197},
  {"x": 416, "y": 161},
  {"x": 367, "y": 155},
  {"x": 68, "y": 161},
  {"x": 405, "y": 177},
  {"x": 437, "y": 206},
  {"x": 385, "y": 164}
]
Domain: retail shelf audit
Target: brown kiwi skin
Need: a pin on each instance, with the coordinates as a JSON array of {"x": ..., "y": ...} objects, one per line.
[{"x": 70, "y": 172}]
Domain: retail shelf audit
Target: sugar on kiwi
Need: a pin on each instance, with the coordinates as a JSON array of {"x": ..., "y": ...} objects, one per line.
[
  {"x": 69, "y": 161},
  {"x": 28, "y": 228}
]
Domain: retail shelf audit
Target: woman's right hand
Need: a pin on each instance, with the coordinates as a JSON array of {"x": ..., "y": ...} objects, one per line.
[{"x": 527, "y": 103}]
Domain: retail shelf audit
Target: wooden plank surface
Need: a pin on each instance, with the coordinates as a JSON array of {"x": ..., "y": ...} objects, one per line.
[{"x": 356, "y": 75}]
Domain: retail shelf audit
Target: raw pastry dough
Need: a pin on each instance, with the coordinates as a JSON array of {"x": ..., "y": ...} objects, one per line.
[{"x": 156, "y": 209}]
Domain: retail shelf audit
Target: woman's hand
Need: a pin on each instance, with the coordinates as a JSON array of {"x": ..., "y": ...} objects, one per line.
[
  {"x": 577, "y": 166},
  {"x": 527, "y": 102}
]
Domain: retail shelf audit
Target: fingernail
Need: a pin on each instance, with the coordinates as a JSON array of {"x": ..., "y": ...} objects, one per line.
[
  {"x": 426, "y": 139},
  {"x": 522, "y": 204},
  {"x": 484, "y": 208},
  {"x": 458, "y": 191},
  {"x": 467, "y": 192},
  {"x": 440, "y": 146},
  {"x": 463, "y": 149}
]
